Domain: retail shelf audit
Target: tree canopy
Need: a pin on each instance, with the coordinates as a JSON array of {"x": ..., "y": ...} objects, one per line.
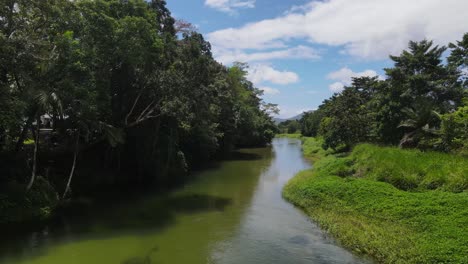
[
  {"x": 419, "y": 104},
  {"x": 127, "y": 94}
]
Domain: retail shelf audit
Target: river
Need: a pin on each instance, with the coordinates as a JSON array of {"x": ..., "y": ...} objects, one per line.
[{"x": 232, "y": 212}]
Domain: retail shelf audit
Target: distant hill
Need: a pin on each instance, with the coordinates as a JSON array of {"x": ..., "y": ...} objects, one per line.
[{"x": 280, "y": 120}]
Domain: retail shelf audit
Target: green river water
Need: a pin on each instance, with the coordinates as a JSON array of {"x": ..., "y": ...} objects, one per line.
[{"x": 231, "y": 213}]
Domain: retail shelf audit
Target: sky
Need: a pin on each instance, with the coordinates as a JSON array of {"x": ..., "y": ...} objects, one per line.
[{"x": 300, "y": 52}]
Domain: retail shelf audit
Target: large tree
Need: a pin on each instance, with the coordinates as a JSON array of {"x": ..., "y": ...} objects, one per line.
[{"x": 418, "y": 84}]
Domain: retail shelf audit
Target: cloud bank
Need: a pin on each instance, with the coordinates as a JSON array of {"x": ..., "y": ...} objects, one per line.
[
  {"x": 344, "y": 77},
  {"x": 269, "y": 91},
  {"x": 260, "y": 73},
  {"x": 228, "y": 56},
  {"x": 368, "y": 29},
  {"x": 230, "y": 6}
]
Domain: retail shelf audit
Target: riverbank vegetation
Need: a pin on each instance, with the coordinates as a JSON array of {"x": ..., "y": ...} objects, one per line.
[
  {"x": 390, "y": 178},
  {"x": 107, "y": 95},
  {"x": 289, "y": 127},
  {"x": 421, "y": 103},
  {"x": 296, "y": 136},
  {"x": 398, "y": 206}
]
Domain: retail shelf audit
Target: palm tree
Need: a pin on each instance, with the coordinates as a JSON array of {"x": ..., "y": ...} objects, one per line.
[
  {"x": 111, "y": 134},
  {"x": 75, "y": 155},
  {"x": 44, "y": 102},
  {"x": 416, "y": 124}
]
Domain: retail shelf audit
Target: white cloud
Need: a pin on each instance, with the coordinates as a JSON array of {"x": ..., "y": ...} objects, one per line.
[
  {"x": 344, "y": 77},
  {"x": 336, "y": 87},
  {"x": 229, "y": 6},
  {"x": 264, "y": 73},
  {"x": 228, "y": 56},
  {"x": 464, "y": 72},
  {"x": 303, "y": 110},
  {"x": 364, "y": 28},
  {"x": 288, "y": 112},
  {"x": 269, "y": 91}
]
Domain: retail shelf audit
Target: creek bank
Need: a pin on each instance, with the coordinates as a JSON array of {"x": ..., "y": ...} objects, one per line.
[{"x": 397, "y": 206}]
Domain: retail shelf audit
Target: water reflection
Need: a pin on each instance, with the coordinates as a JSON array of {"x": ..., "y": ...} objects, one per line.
[
  {"x": 274, "y": 231},
  {"x": 231, "y": 213}
]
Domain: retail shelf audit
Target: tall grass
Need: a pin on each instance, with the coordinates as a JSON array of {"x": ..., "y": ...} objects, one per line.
[
  {"x": 297, "y": 135},
  {"x": 412, "y": 169},
  {"x": 381, "y": 202}
]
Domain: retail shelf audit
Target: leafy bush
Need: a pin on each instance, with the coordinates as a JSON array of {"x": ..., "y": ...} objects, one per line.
[
  {"x": 454, "y": 131},
  {"x": 16, "y": 205},
  {"x": 312, "y": 148}
]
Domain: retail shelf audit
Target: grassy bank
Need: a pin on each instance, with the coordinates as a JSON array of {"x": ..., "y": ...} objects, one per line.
[
  {"x": 298, "y": 136},
  {"x": 397, "y": 206},
  {"x": 311, "y": 147}
]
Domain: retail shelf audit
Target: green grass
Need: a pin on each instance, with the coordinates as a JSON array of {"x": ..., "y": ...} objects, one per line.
[
  {"x": 312, "y": 147},
  {"x": 360, "y": 200},
  {"x": 29, "y": 142},
  {"x": 412, "y": 169},
  {"x": 298, "y": 136}
]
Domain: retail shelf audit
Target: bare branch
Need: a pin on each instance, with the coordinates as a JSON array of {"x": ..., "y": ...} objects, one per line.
[
  {"x": 139, "y": 121},
  {"x": 133, "y": 107},
  {"x": 144, "y": 112},
  {"x": 182, "y": 26}
]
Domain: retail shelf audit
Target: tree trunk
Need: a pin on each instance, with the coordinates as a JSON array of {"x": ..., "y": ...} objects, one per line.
[
  {"x": 170, "y": 148},
  {"x": 408, "y": 140},
  {"x": 67, "y": 189},
  {"x": 24, "y": 132},
  {"x": 156, "y": 136},
  {"x": 2, "y": 138},
  {"x": 36, "y": 145}
]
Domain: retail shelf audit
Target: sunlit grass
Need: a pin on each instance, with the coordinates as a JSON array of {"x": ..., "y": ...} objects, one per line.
[
  {"x": 353, "y": 198},
  {"x": 312, "y": 147},
  {"x": 28, "y": 142},
  {"x": 298, "y": 136},
  {"x": 412, "y": 169}
]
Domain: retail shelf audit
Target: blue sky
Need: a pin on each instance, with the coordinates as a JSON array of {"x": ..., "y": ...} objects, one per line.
[{"x": 300, "y": 52}]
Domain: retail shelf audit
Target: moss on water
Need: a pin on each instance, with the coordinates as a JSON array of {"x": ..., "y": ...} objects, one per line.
[{"x": 373, "y": 203}]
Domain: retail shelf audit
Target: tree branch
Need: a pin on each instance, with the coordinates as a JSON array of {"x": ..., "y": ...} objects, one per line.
[{"x": 133, "y": 107}]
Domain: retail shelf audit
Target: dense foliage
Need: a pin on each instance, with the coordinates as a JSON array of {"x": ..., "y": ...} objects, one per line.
[
  {"x": 289, "y": 127},
  {"x": 395, "y": 205},
  {"x": 129, "y": 96},
  {"x": 419, "y": 104}
]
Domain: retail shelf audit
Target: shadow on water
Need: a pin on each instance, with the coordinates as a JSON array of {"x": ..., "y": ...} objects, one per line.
[
  {"x": 79, "y": 222},
  {"x": 243, "y": 156},
  {"x": 196, "y": 203},
  {"x": 239, "y": 155},
  {"x": 147, "y": 259}
]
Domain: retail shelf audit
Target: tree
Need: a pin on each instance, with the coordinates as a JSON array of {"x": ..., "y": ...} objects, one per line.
[
  {"x": 347, "y": 116},
  {"x": 132, "y": 93},
  {"x": 418, "y": 79},
  {"x": 310, "y": 122},
  {"x": 458, "y": 59},
  {"x": 289, "y": 126},
  {"x": 454, "y": 131}
]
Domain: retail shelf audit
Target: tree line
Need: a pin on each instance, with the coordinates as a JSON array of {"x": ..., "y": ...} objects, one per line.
[
  {"x": 115, "y": 93},
  {"x": 421, "y": 103}
]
